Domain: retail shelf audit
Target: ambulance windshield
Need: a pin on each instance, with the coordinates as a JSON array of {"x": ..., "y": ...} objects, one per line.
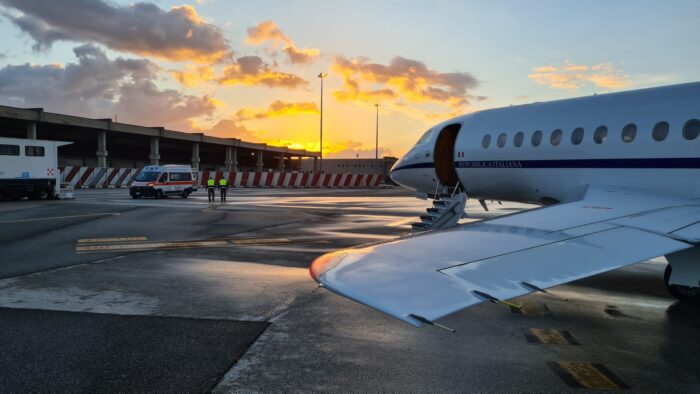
[{"x": 147, "y": 176}]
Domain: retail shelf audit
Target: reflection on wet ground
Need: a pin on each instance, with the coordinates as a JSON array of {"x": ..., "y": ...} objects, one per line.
[{"x": 247, "y": 261}]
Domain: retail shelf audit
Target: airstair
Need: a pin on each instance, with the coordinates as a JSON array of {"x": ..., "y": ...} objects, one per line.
[{"x": 448, "y": 208}]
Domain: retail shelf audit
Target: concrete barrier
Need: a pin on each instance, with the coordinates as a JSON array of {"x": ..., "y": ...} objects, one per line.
[{"x": 99, "y": 177}]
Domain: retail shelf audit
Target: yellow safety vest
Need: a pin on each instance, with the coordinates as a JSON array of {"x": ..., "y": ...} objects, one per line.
[
  {"x": 222, "y": 182},
  {"x": 210, "y": 183}
]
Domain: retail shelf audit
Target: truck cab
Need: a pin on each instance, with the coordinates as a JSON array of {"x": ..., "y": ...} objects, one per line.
[{"x": 163, "y": 181}]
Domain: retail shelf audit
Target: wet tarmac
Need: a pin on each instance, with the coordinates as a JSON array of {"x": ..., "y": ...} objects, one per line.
[{"x": 230, "y": 282}]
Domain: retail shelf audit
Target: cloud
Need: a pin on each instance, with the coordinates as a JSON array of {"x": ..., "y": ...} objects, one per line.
[
  {"x": 402, "y": 78},
  {"x": 98, "y": 87},
  {"x": 192, "y": 76},
  {"x": 278, "y": 108},
  {"x": 575, "y": 76},
  {"x": 231, "y": 128},
  {"x": 252, "y": 70},
  {"x": 269, "y": 32},
  {"x": 353, "y": 149},
  {"x": 178, "y": 34}
]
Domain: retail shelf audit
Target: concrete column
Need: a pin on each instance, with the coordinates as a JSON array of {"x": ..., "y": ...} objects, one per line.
[
  {"x": 259, "y": 165},
  {"x": 281, "y": 162},
  {"x": 101, "y": 149},
  {"x": 155, "y": 151},
  {"x": 31, "y": 130},
  {"x": 195, "y": 156},
  {"x": 230, "y": 158}
]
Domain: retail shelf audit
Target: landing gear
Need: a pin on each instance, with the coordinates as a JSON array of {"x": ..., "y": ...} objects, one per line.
[{"x": 682, "y": 293}]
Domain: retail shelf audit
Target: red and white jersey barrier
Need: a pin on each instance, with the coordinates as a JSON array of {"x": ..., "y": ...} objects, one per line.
[{"x": 97, "y": 177}]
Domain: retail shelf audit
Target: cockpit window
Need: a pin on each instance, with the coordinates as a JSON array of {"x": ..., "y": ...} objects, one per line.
[{"x": 424, "y": 138}]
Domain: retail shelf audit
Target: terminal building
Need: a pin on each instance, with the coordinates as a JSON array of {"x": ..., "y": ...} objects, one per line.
[
  {"x": 380, "y": 166},
  {"x": 106, "y": 144}
]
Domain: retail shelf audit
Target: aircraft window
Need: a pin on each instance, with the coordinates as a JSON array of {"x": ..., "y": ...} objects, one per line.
[
  {"x": 629, "y": 132},
  {"x": 660, "y": 131},
  {"x": 518, "y": 140},
  {"x": 486, "y": 141},
  {"x": 501, "y": 142},
  {"x": 577, "y": 136},
  {"x": 536, "y": 138},
  {"x": 424, "y": 138},
  {"x": 556, "y": 137},
  {"x": 600, "y": 134},
  {"x": 691, "y": 129}
]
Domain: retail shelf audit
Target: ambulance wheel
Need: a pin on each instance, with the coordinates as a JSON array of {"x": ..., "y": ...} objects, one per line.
[
  {"x": 185, "y": 194},
  {"x": 42, "y": 194},
  {"x": 681, "y": 293},
  {"x": 159, "y": 194}
]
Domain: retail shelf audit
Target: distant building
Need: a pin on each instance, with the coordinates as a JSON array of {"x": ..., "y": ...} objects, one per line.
[{"x": 353, "y": 166}]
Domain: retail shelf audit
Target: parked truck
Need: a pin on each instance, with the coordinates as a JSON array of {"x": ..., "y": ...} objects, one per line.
[{"x": 29, "y": 168}]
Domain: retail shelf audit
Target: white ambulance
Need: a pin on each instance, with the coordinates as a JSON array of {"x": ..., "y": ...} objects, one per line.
[{"x": 163, "y": 181}]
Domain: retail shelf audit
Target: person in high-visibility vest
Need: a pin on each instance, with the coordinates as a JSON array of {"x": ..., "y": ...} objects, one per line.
[
  {"x": 223, "y": 187},
  {"x": 211, "y": 189}
]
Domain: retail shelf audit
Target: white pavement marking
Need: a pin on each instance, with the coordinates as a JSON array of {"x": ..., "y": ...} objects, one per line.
[
  {"x": 115, "y": 239},
  {"x": 182, "y": 244},
  {"x": 61, "y": 217}
]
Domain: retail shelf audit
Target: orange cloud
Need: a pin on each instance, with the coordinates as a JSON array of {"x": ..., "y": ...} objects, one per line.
[
  {"x": 192, "y": 76},
  {"x": 268, "y": 31},
  {"x": 402, "y": 78},
  {"x": 251, "y": 70},
  {"x": 278, "y": 108},
  {"x": 574, "y": 76}
]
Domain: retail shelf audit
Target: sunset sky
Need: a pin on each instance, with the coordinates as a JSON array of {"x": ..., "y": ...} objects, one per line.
[{"x": 248, "y": 69}]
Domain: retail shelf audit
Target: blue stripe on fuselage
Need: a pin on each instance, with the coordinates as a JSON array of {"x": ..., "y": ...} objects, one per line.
[{"x": 671, "y": 163}]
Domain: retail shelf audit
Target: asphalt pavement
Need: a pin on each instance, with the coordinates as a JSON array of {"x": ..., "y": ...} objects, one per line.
[{"x": 106, "y": 293}]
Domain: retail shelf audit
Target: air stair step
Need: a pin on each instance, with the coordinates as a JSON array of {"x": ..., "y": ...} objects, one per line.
[{"x": 419, "y": 226}]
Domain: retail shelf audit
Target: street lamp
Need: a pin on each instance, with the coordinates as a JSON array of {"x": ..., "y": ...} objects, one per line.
[
  {"x": 376, "y": 141},
  {"x": 321, "y": 75}
]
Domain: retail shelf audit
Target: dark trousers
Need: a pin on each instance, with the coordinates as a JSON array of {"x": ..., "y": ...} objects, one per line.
[
  {"x": 222, "y": 192},
  {"x": 212, "y": 194}
]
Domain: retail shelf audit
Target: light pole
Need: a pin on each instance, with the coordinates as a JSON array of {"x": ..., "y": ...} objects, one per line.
[
  {"x": 321, "y": 75},
  {"x": 376, "y": 141}
]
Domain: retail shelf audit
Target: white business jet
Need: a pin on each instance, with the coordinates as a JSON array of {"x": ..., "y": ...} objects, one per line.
[{"x": 618, "y": 179}]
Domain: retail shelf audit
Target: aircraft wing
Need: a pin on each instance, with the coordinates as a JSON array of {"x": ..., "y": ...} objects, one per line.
[{"x": 423, "y": 277}]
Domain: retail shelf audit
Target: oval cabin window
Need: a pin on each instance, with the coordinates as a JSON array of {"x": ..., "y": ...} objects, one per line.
[
  {"x": 660, "y": 131},
  {"x": 600, "y": 134},
  {"x": 577, "y": 136},
  {"x": 629, "y": 132},
  {"x": 486, "y": 141},
  {"x": 501, "y": 142},
  {"x": 536, "y": 138},
  {"x": 518, "y": 139},
  {"x": 556, "y": 137},
  {"x": 691, "y": 129}
]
